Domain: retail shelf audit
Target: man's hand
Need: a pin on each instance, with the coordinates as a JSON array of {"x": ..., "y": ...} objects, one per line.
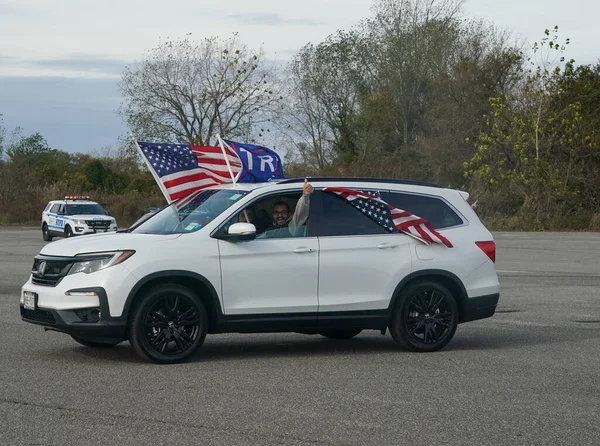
[{"x": 307, "y": 189}]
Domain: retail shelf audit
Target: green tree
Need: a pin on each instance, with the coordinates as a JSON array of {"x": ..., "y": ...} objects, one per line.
[
  {"x": 399, "y": 92},
  {"x": 95, "y": 175},
  {"x": 31, "y": 145},
  {"x": 32, "y": 158},
  {"x": 537, "y": 143}
]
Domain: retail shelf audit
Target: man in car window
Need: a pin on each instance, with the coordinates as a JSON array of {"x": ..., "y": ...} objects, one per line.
[{"x": 283, "y": 225}]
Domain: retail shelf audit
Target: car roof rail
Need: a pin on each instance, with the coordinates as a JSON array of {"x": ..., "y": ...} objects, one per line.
[{"x": 359, "y": 179}]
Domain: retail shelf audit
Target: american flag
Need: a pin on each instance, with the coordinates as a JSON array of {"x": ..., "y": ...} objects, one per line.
[
  {"x": 390, "y": 217},
  {"x": 182, "y": 169}
]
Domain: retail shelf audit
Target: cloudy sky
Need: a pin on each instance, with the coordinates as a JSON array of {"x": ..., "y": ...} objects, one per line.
[{"x": 60, "y": 60}]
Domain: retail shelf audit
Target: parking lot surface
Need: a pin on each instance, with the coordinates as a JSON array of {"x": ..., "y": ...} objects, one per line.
[{"x": 528, "y": 375}]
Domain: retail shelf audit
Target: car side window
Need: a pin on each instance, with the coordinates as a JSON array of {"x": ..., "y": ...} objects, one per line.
[
  {"x": 54, "y": 208},
  {"x": 432, "y": 209},
  {"x": 273, "y": 216},
  {"x": 338, "y": 217}
]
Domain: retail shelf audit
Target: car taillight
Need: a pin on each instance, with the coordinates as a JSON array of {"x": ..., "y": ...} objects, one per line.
[{"x": 489, "y": 248}]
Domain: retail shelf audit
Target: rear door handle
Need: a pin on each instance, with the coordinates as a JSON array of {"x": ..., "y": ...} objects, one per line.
[
  {"x": 387, "y": 245},
  {"x": 302, "y": 249}
]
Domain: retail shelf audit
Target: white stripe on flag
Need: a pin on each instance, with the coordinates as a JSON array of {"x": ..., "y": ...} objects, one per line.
[
  {"x": 401, "y": 220},
  {"x": 191, "y": 185},
  {"x": 218, "y": 168},
  {"x": 434, "y": 237}
]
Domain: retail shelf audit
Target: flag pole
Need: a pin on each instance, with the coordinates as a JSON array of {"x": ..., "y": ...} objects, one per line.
[
  {"x": 221, "y": 142},
  {"x": 160, "y": 185}
]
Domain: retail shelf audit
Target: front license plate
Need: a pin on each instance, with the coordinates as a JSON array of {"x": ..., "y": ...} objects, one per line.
[{"x": 29, "y": 299}]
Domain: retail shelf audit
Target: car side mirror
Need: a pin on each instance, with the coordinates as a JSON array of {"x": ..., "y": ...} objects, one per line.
[
  {"x": 108, "y": 213},
  {"x": 240, "y": 231}
]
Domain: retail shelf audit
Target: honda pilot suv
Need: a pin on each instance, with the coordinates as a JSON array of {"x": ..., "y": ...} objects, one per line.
[{"x": 218, "y": 261}]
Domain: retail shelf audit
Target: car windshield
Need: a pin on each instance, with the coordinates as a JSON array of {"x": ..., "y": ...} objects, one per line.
[
  {"x": 190, "y": 213},
  {"x": 85, "y": 209}
]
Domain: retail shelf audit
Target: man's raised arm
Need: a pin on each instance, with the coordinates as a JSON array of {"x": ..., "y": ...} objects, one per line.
[{"x": 302, "y": 207}]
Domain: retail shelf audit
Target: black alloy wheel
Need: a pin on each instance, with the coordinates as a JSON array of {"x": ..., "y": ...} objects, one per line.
[
  {"x": 425, "y": 318},
  {"x": 68, "y": 232},
  {"x": 168, "y": 324}
]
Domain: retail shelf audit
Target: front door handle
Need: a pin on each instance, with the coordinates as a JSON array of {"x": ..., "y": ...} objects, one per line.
[
  {"x": 387, "y": 245},
  {"x": 302, "y": 249}
]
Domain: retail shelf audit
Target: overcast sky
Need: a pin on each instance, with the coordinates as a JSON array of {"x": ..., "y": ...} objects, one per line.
[{"x": 60, "y": 60}]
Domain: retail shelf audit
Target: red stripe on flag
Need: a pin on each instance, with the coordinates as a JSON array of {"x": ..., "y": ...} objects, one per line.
[{"x": 218, "y": 162}]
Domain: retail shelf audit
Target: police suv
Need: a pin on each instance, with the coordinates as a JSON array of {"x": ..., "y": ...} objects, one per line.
[{"x": 75, "y": 215}]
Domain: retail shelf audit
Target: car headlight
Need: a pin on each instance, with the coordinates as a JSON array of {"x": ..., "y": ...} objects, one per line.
[
  {"x": 80, "y": 222},
  {"x": 93, "y": 262}
]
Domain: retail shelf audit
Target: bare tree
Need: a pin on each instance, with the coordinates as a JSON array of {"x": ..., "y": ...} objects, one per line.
[
  {"x": 186, "y": 92},
  {"x": 323, "y": 98},
  {"x": 305, "y": 122}
]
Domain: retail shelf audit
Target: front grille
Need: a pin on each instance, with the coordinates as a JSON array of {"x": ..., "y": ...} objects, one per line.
[
  {"x": 50, "y": 274},
  {"x": 43, "y": 316},
  {"x": 47, "y": 281},
  {"x": 98, "y": 224}
]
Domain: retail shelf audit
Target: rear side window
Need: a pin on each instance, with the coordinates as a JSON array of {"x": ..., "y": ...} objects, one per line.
[
  {"x": 54, "y": 208},
  {"x": 434, "y": 210},
  {"x": 338, "y": 217}
]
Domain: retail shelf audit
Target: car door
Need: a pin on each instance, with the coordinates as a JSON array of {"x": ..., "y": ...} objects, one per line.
[
  {"x": 60, "y": 218},
  {"x": 270, "y": 275},
  {"x": 52, "y": 217},
  {"x": 360, "y": 263}
]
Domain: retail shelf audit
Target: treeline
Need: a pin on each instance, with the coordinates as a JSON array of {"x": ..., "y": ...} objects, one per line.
[
  {"x": 415, "y": 91},
  {"x": 32, "y": 173},
  {"x": 418, "y": 92}
]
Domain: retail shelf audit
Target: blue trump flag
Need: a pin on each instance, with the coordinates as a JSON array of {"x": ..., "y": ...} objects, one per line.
[{"x": 260, "y": 164}]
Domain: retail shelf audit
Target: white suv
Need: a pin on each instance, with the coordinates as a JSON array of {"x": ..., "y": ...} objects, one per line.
[
  {"x": 193, "y": 268},
  {"x": 75, "y": 215}
]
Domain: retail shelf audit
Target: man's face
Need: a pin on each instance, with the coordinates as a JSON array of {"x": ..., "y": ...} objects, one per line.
[{"x": 280, "y": 214}]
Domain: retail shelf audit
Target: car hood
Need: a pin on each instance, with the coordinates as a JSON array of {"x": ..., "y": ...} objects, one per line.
[{"x": 113, "y": 241}]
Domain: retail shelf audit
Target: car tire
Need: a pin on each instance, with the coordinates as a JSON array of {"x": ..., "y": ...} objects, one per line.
[
  {"x": 425, "y": 317},
  {"x": 168, "y": 324},
  {"x": 45, "y": 234},
  {"x": 341, "y": 334},
  {"x": 68, "y": 231},
  {"x": 97, "y": 344}
]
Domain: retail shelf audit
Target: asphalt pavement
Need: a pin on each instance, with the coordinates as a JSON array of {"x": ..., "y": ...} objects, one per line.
[{"x": 528, "y": 375}]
